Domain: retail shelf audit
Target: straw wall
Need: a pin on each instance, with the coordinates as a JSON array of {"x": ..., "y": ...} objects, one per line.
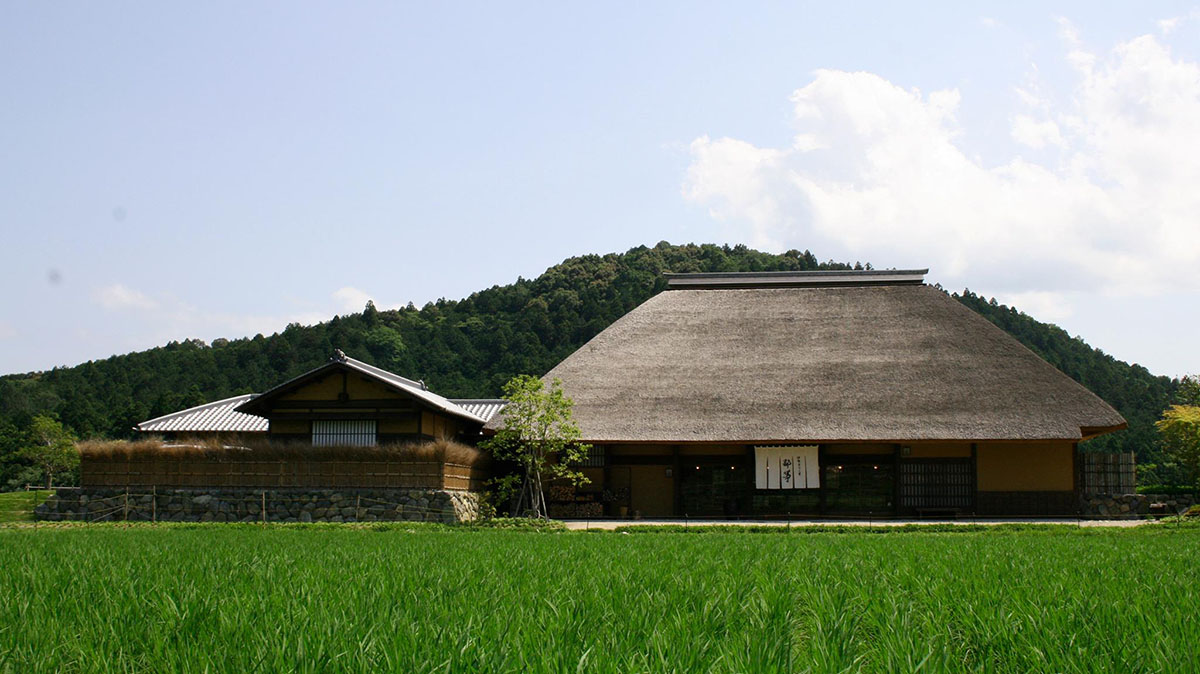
[{"x": 292, "y": 473}]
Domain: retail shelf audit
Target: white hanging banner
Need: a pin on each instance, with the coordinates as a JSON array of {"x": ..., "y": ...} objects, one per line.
[{"x": 792, "y": 467}]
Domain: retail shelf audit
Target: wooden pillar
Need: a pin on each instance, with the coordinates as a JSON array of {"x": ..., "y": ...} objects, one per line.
[
  {"x": 751, "y": 471},
  {"x": 677, "y": 480},
  {"x": 821, "y": 475},
  {"x": 1076, "y": 481},
  {"x": 896, "y": 479},
  {"x": 974, "y": 477}
]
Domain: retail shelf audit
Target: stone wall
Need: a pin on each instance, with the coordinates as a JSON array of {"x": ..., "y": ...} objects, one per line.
[
  {"x": 247, "y": 505},
  {"x": 1128, "y": 505}
]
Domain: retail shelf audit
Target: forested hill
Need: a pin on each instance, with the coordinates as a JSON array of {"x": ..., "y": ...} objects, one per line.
[
  {"x": 469, "y": 347},
  {"x": 1139, "y": 396}
]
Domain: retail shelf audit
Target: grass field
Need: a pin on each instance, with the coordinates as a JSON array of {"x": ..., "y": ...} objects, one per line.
[
  {"x": 17, "y": 506},
  {"x": 236, "y": 598}
]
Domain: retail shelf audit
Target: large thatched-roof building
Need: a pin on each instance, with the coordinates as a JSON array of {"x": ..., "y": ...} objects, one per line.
[{"x": 824, "y": 393}]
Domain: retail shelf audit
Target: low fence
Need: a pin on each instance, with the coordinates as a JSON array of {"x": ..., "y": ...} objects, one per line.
[{"x": 289, "y": 474}]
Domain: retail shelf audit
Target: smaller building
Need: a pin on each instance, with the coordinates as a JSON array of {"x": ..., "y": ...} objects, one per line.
[
  {"x": 344, "y": 401},
  {"x": 348, "y": 402},
  {"x": 341, "y": 433}
]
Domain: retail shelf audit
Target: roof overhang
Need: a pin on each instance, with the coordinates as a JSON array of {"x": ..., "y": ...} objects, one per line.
[{"x": 1089, "y": 432}]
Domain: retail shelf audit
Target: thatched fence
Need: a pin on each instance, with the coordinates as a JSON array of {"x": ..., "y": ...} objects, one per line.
[{"x": 434, "y": 465}]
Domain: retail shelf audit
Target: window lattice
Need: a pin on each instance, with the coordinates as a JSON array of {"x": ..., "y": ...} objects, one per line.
[
  {"x": 594, "y": 458},
  {"x": 937, "y": 484},
  {"x": 352, "y": 433}
]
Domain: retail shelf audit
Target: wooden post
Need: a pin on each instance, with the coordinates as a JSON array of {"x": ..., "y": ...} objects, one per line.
[
  {"x": 974, "y": 479},
  {"x": 154, "y": 503},
  {"x": 896, "y": 471},
  {"x": 126, "y": 505},
  {"x": 358, "y": 508},
  {"x": 677, "y": 480},
  {"x": 821, "y": 477},
  {"x": 264, "y": 507}
]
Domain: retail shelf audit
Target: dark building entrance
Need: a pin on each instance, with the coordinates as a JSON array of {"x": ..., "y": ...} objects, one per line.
[
  {"x": 859, "y": 485},
  {"x": 711, "y": 489}
]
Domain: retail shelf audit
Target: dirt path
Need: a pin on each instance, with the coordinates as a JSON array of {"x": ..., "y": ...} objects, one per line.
[{"x": 613, "y": 524}]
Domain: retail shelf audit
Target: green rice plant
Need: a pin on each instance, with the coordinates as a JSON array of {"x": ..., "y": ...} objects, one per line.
[
  {"x": 17, "y": 506},
  {"x": 246, "y": 598}
]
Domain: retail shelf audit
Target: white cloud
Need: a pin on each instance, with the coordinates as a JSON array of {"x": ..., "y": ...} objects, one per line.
[
  {"x": 120, "y": 297},
  {"x": 167, "y": 317},
  {"x": 875, "y": 173},
  {"x": 351, "y": 300},
  {"x": 1036, "y": 134},
  {"x": 738, "y": 180},
  {"x": 1169, "y": 25}
]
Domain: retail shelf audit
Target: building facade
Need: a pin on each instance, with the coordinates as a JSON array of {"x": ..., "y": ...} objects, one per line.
[{"x": 822, "y": 394}]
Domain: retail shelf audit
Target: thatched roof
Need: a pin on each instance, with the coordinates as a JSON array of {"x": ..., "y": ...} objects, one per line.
[{"x": 789, "y": 362}]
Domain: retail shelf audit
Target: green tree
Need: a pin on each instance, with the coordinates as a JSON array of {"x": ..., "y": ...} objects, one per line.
[
  {"x": 540, "y": 436},
  {"x": 51, "y": 448},
  {"x": 1188, "y": 392},
  {"x": 1180, "y": 430}
]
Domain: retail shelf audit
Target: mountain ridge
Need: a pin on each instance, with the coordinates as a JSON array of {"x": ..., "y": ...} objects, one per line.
[{"x": 469, "y": 347}]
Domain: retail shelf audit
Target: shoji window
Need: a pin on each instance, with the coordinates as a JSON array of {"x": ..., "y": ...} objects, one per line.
[
  {"x": 354, "y": 433},
  {"x": 786, "y": 467}
]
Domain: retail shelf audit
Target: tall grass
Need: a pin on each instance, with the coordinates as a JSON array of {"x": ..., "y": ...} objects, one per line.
[{"x": 242, "y": 599}]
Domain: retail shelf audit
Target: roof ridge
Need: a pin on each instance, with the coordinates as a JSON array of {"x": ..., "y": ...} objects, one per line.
[
  {"x": 785, "y": 279},
  {"x": 419, "y": 387},
  {"x": 417, "y": 383}
]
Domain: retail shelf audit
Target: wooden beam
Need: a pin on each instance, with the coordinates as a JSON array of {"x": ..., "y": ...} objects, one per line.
[{"x": 398, "y": 403}]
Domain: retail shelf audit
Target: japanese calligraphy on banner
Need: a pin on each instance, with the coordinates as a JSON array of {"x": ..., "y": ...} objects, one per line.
[{"x": 786, "y": 467}]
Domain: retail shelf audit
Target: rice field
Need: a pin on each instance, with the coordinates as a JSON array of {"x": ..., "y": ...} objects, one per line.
[
  {"x": 238, "y": 598},
  {"x": 17, "y": 506}
]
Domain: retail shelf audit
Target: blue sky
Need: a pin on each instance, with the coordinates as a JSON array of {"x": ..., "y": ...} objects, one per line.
[{"x": 221, "y": 169}]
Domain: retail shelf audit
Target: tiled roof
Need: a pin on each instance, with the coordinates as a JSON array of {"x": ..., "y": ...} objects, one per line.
[
  {"x": 484, "y": 408},
  {"x": 214, "y": 417}
]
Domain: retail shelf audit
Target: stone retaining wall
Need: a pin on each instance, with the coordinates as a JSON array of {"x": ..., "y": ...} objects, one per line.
[
  {"x": 1126, "y": 505},
  {"x": 246, "y": 505}
]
